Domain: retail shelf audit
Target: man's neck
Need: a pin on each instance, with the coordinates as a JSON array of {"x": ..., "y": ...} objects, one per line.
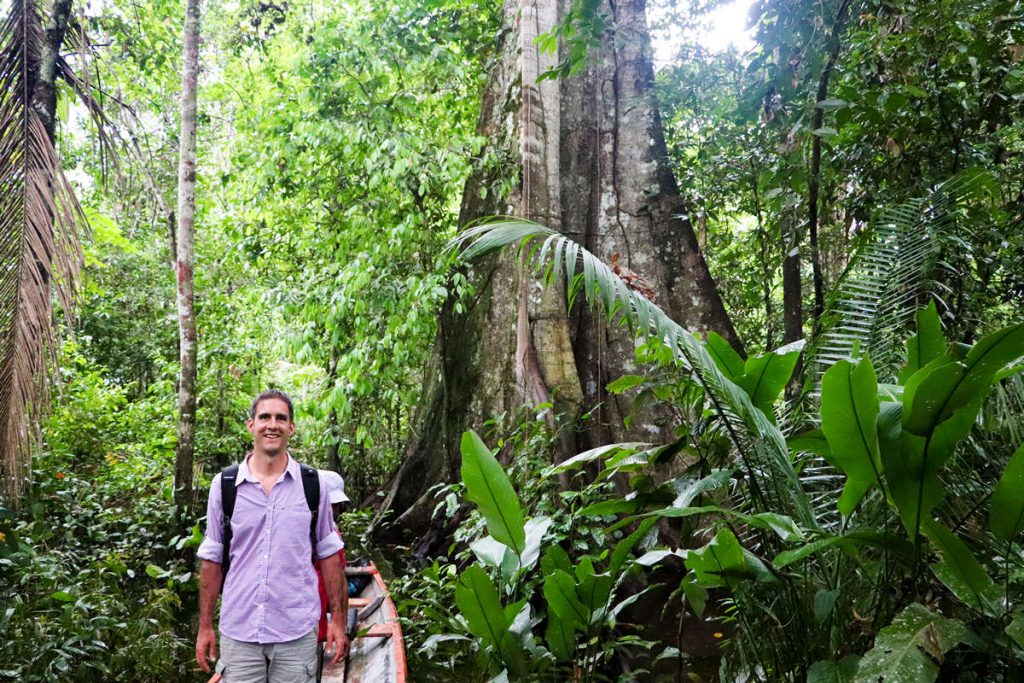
[{"x": 263, "y": 464}]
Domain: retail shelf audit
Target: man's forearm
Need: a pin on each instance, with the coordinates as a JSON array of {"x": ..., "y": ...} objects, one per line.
[
  {"x": 209, "y": 588},
  {"x": 337, "y": 590}
]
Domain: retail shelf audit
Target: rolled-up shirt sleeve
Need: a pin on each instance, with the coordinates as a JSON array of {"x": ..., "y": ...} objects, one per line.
[
  {"x": 212, "y": 547},
  {"x": 329, "y": 542}
]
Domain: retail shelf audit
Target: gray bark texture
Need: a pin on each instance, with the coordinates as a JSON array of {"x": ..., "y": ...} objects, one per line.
[
  {"x": 186, "y": 261},
  {"x": 590, "y": 155}
]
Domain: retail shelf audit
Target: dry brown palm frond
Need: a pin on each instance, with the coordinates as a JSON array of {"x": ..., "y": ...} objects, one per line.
[{"x": 40, "y": 256}]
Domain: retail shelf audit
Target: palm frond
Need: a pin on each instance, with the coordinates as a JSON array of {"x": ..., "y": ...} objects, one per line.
[
  {"x": 761, "y": 448},
  {"x": 874, "y": 302},
  {"x": 39, "y": 252}
]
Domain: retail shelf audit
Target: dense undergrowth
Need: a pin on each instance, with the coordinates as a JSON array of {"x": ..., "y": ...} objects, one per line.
[{"x": 95, "y": 569}]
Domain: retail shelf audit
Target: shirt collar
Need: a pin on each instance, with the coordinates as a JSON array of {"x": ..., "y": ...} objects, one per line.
[{"x": 245, "y": 474}]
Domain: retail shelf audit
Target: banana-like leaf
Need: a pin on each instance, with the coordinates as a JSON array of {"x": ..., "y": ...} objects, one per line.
[
  {"x": 925, "y": 346},
  {"x": 764, "y": 377},
  {"x": 940, "y": 404},
  {"x": 723, "y": 561},
  {"x": 849, "y": 412},
  {"x": 959, "y": 569},
  {"x": 625, "y": 546},
  {"x": 535, "y": 529},
  {"x": 562, "y": 599},
  {"x": 955, "y": 385},
  {"x": 561, "y": 637},
  {"x": 594, "y": 588},
  {"x": 910, "y": 649},
  {"x": 1006, "y": 515},
  {"x": 728, "y": 361},
  {"x": 489, "y": 487},
  {"x": 478, "y": 601}
]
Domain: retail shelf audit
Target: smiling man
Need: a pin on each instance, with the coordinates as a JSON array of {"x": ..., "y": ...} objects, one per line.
[{"x": 267, "y": 521}]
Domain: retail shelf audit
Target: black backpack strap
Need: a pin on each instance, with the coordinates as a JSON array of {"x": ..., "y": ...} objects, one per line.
[
  {"x": 311, "y": 487},
  {"x": 228, "y": 494}
]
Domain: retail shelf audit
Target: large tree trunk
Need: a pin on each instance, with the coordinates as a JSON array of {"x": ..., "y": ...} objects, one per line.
[
  {"x": 590, "y": 154},
  {"x": 186, "y": 262}
]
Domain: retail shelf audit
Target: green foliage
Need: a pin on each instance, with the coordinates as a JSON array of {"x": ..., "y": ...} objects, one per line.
[
  {"x": 911, "y": 648},
  {"x": 489, "y": 488},
  {"x": 892, "y": 444},
  {"x": 97, "y": 581}
]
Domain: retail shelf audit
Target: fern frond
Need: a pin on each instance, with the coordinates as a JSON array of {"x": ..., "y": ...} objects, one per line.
[
  {"x": 771, "y": 479},
  {"x": 874, "y": 302}
]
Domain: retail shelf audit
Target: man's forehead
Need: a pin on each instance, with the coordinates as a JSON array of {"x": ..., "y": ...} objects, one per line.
[{"x": 271, "y": 405}]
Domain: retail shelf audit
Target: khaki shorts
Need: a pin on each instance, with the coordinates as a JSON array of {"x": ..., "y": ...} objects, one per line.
[{"x": 290, "y": 662}]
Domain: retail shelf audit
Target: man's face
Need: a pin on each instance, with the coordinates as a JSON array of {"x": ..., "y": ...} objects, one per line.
[{"x": 271, "y": 427}]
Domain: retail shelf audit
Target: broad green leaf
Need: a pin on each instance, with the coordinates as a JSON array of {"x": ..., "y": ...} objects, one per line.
[
  {"x": 782, "y": 525},
  {"x": 560, "y": 593},
  {"x": 925, "y": 346},
  {"x": 910, "y": 649},
  {"x": 1006, "y": 515},
  {"x": 958, "y": 385},
  {"x": 725, "y": 357},
  {"x": 560, "y": 636},
  {"x": 696, "y": 594},
  {"x": 625, "y": 383},
  {"x": 536, "y": 527},
  {"x": 155, "y": 571},
  {"x": 889, "y": 542},
  {"x": 1015, "y": 629},
  {"x": 478, "y": 601},
  {"x": 62, "y": 596},
  {"x": 594, "y": 588},
  {"x": 959, "y": 570},
  {"x": 554, "y": 558},
  {"x": 824, "y": 603},
  {"x": 914, "y": 488},
  {"x": 812, "y": 441},
  {"x": 687, "y": 488},
  {"x": 764, "y": 378},
  {"x": 489, "y": 487},
  {"x": 849, "y": 412},
  {"x": 825, "y": 671},
  {"x": 613, "y": 507},
  {"x": 723, "y": 560},
  {"x": 653, "y": 557},
  {"x": 489, "y": 551},
  {"x": 624, "y": 547},
  {"x": 594, "y": 454}
]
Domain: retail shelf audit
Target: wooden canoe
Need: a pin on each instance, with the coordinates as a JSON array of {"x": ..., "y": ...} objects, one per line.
[{"x": 377, "y": 652}]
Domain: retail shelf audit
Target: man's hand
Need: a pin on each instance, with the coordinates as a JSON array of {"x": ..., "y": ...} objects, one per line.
[
  {"x": 336, "y": 641},
  {"x": 206, "y": 646}
]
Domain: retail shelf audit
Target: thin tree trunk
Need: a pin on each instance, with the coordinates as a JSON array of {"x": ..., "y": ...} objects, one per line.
[
  {"x": 186, "y": 261},
  {"x": 44, "y": 90},
  {"x": 814, "y": 178},
  {"x": 792, "y": 287}
]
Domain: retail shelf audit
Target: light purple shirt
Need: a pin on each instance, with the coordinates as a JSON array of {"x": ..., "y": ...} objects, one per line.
[{"x": 270, "y": 592}]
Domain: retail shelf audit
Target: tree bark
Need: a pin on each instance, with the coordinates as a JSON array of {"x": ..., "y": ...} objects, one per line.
[
  {"x": 186, "y": 262},
  {"x": 792, "y": 287},
  {"x": 590, "y": 154}
]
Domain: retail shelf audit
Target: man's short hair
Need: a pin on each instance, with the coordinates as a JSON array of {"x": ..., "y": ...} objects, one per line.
[{"x": 272, "y": 393}]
